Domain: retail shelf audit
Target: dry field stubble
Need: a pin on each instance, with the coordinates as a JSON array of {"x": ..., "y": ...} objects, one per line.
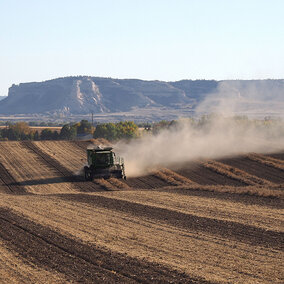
[
  {"x": 270, "y": 161},
  {"x": 193, "y": 225},
  {"x": 14, "y": 270}
]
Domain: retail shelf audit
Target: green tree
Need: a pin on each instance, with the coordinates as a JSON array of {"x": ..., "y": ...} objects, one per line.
[
  {"x": 106, "y": 130},
  {"x": 84, "y": 127},
  {"x": 18, "y": 131},
  {"x": 121, "y": 130},
  {"x": 46, "y": 134},
  {"x": 68, "y": 132},
  {"x": 126, "y": 130}
]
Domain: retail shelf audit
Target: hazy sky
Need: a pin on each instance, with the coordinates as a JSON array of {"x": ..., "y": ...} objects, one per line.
[{"x": 146, "y": 39}]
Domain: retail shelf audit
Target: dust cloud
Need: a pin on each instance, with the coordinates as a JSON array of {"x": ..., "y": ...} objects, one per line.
[
  {"x": 221, "y": 137},
  {"x": 218, "y": 136},
  {"x": 251, "y": 98}
]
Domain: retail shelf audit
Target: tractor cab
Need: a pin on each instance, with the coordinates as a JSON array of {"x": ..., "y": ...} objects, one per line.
[
  {"x": 100, "y": 158},
  {"x": 103, "y": 163}
]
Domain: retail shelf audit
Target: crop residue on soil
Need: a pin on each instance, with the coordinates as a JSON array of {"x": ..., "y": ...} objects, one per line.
[{"x": 213, "y": 213}]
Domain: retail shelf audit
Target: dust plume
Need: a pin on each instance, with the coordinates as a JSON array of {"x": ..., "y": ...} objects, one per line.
[
  {"x": 213, "y": 136},
  {"x": 217, "y": 138},
  {"x": 247, "y": 97}
]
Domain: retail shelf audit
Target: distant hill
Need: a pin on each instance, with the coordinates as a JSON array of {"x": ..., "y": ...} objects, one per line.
[{"x": 83, "y": 95}]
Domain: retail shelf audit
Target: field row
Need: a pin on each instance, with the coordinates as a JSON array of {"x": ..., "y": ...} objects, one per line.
[
  {"x": 200, "y": 232},
  {"x": 51, "y": 167},
  {"x": 173, "y": 225}
]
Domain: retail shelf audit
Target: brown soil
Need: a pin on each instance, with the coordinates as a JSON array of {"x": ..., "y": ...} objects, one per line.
[
  {"x": 78, "y": 261},
  {"x": 232, "y": 230},
  {"x": 8, "y": 184},
  {"x": 146, "y": 182},
  {"x": 198, "y": 224},
  {"x": 199, "y": 174},
  {"x": 61, "y": 170},
  {"x": 279, "y": 156},
  {"x": 269, "y": 161},
  {"x": 256, "y": 168}
]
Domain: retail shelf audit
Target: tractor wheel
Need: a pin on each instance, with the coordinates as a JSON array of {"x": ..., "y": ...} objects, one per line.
[{"x": 88, "y": 174}]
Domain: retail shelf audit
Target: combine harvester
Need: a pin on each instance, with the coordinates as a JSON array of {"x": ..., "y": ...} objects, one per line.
[{"x": 103, "y": 163}]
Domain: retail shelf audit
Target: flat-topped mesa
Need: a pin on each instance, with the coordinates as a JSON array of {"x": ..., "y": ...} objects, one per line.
[{"x": 84, "y": 94}]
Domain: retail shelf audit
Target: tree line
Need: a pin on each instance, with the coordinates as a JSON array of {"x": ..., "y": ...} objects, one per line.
[
  {"x": 127, "y": 129},
  {"x": 111, "y": 131}
]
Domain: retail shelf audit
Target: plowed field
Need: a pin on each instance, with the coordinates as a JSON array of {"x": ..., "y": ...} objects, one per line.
[{"x": 215, "y": 221}]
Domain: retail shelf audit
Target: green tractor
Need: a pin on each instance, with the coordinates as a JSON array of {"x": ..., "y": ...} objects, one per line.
[{"x": 103, "y": 163}]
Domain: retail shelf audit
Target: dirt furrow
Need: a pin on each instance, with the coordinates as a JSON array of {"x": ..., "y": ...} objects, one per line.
[
  {"x": 232, "y": 230},
  {"x": 47, "y": 252},
  {"x": 78, "y": 261},
  {"x": 81, "y": 144},
  {"x": 136, "y": 183},
  {"x": 204, "y": 176},
  {"x": 278, "y": 156},
  {"x": 173, "y": 178},
  {"x": 236, "y": 173},
  {"x": 48, "y": 159},
  {"x": 105, "y": 184},
  {"x": 66, "y": 153},
  {"x": 30, "y": 170},
  {"x": 178, "y": 177},
  {"x": 247, "y": 195},
  {"x": 119, "y": 184},
  {"x": 195, "y": 253},
  {"x": 10, "y": 185},
  {"x": 167, "y": 178},
  {"x": 259, "y": 216},
  {"x": 257, "y": 169},
  {"x": 13, "y": 269},
  {"x": 146, "y": 182},
  {"x": 111, "y": 184},
  {"x": 278, "y": 164},
  {"x": 68, "y": 175}
]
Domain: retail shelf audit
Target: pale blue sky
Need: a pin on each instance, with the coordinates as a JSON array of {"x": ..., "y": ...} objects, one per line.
[{"x": 146, "y": 39}]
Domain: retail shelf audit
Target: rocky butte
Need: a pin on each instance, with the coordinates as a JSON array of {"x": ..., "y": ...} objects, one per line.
[{"x": 82, "y": 95}]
